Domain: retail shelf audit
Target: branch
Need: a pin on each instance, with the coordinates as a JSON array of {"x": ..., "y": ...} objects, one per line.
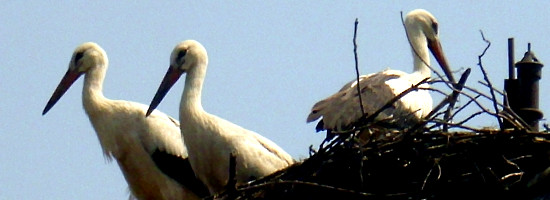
[
  {"x": 357, "y": 67},
  {"x": 464, "y": 106},
  {"x": 487, "y": 78},
  {"x": 309, "y": 184},
  {"x": 494, "y": 89},
  {"x": 454, "y": 96}
]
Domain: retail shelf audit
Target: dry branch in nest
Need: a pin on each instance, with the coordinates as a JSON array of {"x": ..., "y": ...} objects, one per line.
[{"x": 426, "y": 161}]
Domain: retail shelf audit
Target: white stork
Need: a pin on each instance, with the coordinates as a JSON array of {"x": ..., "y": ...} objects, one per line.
[
  {"x": 211, "y": 139},
  {"x": 149, "y": 151},
  {"x": 342, "y": 110}
]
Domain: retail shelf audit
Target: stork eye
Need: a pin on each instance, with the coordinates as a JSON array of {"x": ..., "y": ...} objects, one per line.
[
  {"x": 180, "y": 59},
  {"x": 435, "y": 27},
  {"x": 181, "y": 55},
  {"x": 77, "y": 57}
]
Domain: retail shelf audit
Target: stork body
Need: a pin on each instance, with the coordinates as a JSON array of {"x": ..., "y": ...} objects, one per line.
[
  {"x": 150, "y": 151},
  {"x": 341, "y": 110},
  {"x": 211, "y": 139}
]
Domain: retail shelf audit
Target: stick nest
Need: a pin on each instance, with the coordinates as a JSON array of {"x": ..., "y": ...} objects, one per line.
[{"x": 434, "y": 165}]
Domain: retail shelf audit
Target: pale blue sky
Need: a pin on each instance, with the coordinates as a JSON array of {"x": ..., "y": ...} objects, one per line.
[{"x": 270, "y": 61}]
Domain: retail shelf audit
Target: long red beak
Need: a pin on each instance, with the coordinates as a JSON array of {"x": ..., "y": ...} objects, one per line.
[
  {"x": 68, "y": 80},
  {"x": 437, "y": 51},
  {"x": 172, "y": 75}
]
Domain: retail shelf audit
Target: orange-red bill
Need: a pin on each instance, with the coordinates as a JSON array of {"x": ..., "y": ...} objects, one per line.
[
  {"x": 172, "y": 75},
  {"x": 437, "y": 51},
  {"x": 68, "y": 80}
]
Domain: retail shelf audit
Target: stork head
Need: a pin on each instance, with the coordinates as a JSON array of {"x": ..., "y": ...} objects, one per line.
[
  {"x": 186, "y": 56},
  {"x": 85, "y": 57},
  {"x": 424, "y": 21},
  {"x": 423, "y": 29}
]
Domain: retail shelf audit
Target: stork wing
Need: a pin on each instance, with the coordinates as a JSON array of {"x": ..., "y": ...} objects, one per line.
[
  {"x": 179, "y": 169},
  {"x": 168, "y": 152},
  {"x": 341, "y": 110}
]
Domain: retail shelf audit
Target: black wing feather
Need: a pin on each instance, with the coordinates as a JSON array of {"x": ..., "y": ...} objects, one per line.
[{"x": 179, "y": 169}]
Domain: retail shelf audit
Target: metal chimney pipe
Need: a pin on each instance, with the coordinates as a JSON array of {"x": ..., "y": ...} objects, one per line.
[
  {"x": 511, "y": 85},
  {"x": 529, "y": 74}
]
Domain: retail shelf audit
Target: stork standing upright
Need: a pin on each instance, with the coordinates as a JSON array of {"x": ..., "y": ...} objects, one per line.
[
  {"x": 211, "y": 139},
  {"x": 341, "y": 110},
  {"x": 149, "y": 151}
]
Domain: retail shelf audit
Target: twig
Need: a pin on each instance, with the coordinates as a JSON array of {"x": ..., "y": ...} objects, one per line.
[
  {"x": 464, "y": 106},
  {"x": 520, "y": 173},
  {"x": 454, "y": 95},
  {"x": 312, "y": 151},
  {"x": 459, "y": 126},
  {"x": 436, "y": 163},
  {"x": 340, "y": 137},
  {"x": 487, "y": 78},
  {"x": 506, "y": 108},
  {"x": 494, "y": 89},
  {"x": 470, "y": 117},
  {"x": 357, "y": 67},
  {"x": 310, "y": 184},
  {"x": 508, "y": 111},
  {"x": 430, "y": 115},
  {"x": 482, "y": 95},
  {"x": 358, "y": 82}
]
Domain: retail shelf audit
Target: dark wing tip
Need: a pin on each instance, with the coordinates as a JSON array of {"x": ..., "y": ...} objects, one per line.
[
  {"x": 179, "y": 169},
  {"x": 320, "y": 126}
]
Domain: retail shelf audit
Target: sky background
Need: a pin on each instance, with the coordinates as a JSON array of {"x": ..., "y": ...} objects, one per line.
[{"x": 269, "y": 62}]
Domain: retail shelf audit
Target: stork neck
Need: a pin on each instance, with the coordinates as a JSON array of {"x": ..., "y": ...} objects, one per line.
[
  {"x": 92, "y": 94},
  {"x": 420, "y": 51},
  {"x": 192, "y": 92}
]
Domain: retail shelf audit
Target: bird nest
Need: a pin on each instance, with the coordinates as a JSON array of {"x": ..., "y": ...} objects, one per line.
[
  {"x": 433, "y": 165},
  {"x": 426, "y": 161}
]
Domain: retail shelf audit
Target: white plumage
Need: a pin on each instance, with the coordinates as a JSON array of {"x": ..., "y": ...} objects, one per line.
[
  {"x": 149, "y": 151},
  {"x": 210, "y": 139},
  {"x": 341, "y": 110}
]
